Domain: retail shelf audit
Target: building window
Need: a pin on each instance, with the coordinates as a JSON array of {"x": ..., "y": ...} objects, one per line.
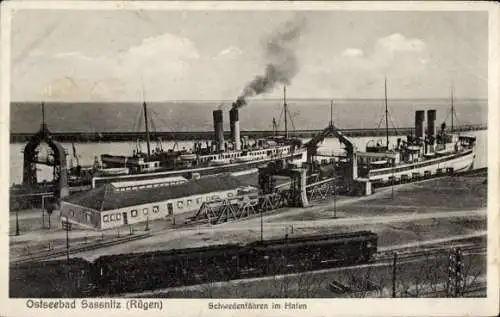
[
  {"x": 105, "y": 218},
  {"x": 145, "y": 211},
  {"x": 134, "y": 213},
  {"x": 87, "y": 216},
  {"x": 180, "y": 203},
  {"x": 198, "y": 200},
  {"x": 189, "y": 202},
  {"x": 72, "y": 212},
  {"x": 118, "y": 217},
  {"x": 112, "y": 217},
  {"x": 156, "y": 209}
]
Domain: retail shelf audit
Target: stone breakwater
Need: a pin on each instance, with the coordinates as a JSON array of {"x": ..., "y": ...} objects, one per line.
[{"x": 208, "y": 135}]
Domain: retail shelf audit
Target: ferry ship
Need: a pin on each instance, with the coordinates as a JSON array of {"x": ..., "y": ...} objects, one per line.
[
  {"x": 210, "y": 157},
  {"x": 420, "y": 155},
  {"x": 426, "y": 153}
]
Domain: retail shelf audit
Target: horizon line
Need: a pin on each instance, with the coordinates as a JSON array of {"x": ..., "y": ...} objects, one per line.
[{"x": 229, "y": 100}]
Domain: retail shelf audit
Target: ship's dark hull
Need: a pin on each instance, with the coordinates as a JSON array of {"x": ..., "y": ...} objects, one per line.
[{"x": 299, "y": 156}]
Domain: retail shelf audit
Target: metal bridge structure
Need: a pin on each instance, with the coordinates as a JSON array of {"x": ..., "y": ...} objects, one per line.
[{"x": 296, "y": 193}]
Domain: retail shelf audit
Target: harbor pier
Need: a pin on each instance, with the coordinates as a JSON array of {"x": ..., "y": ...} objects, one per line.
[{"x": 122, "y": 136}]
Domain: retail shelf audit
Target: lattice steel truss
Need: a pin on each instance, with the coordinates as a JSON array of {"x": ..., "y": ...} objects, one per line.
[{"x": 230, "y": 209}]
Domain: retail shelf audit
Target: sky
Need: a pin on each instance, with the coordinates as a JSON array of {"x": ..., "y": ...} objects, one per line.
[{"x": 75, "y": 55}]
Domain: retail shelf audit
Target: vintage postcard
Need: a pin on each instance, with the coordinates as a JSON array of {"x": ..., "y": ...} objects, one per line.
[{"x": 249, "y": 158}]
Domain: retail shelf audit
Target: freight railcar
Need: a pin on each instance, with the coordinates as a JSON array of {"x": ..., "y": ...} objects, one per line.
[
  {"x": 163, "y": 269},
  {"x": 310, "y": 252}
]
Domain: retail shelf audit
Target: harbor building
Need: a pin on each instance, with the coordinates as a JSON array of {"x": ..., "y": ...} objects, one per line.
[{"x": 118, "y": 204}]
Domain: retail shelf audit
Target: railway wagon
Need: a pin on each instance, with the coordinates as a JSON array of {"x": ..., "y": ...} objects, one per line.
[
  {"x": 310, "y": 252},
  {"x": 49, "y": 279},
  {"x": 163, "y": 269}
]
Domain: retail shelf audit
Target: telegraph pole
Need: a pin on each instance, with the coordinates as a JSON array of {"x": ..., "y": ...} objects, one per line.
[
  {"x": 43, "y": 212},
  {"x": 67, "y": 238},
  {"x": 394, "y": 275}
]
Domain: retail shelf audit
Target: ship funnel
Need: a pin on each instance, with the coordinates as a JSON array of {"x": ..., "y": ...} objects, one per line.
[
  {"x": 431, "y": 123},
  {"x": 235, "y": 128},
  {"x": 419, "y": 124},
  {"x": 219, "y": 129},
  {"x": 431, "y": 128}
]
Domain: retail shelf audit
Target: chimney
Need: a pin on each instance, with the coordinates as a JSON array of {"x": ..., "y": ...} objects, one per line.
[
  {"x": 419, "y": 124},
  {"x": 235, "y": 128},
  {"x": 431, "y": 123},
  {"x": 219, "y": 129}
]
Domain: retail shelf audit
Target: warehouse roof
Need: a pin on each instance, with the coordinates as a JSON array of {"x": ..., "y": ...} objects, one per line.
[
  {"x": 150, "y": 182},
  {"x": 108, "y": 198}
]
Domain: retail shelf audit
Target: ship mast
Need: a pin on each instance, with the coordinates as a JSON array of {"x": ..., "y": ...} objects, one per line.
[
  {"x": 147, "y": 128},
  {"x": 44, "y": 125},
  {"x": 43, "y": 113},
  {"x": 145, "y": 107},
  {"x": 285, "y": 111},
  {"x": 331, "y": 112},
  {"x": 386, "y": 115},
  {"x": 452, "y": 109}
]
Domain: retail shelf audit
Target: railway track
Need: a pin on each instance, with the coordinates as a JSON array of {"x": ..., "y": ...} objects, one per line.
[
  {"x": 413, "y": 254},
  {"x": 380, "y": 259},
  {"x": 48, "y": 255}
]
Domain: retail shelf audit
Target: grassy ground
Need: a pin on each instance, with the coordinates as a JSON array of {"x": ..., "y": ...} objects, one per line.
[{"x": 445, "y": 194}]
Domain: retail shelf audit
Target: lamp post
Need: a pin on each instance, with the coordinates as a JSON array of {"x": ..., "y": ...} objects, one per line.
[
  {"x": 334, "y": 200},
  {"x": 392, "y": 185},
  {"x": 50, "y": 209},
  {"x": 17, "y": 222},
  {"x": 43, "y": 211},
  {"x": 334, "y": 188},
  {"x": 261, "y": 226},
  {"x": 147, "y": 223}
]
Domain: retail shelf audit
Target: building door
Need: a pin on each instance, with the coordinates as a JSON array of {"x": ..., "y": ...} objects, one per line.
[
  {"x": 125, "y": 219},
  {"x": 170, "y": 209}
]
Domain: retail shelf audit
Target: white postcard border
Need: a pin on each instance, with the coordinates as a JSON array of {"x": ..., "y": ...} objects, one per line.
[{"x": 316, "y": 307}]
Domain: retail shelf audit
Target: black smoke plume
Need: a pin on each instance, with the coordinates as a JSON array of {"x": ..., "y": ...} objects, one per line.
[{"x": 282, "y": 63}]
